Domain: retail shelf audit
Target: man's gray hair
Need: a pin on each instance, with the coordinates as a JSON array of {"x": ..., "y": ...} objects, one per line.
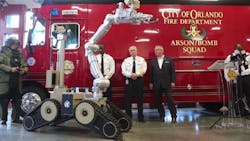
[
  {"x": 159, "y": 47},
  {"x": 132, "y": 48}
]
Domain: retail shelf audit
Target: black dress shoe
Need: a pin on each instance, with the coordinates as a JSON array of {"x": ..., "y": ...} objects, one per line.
[
  {"x": 247, "y": 117},
  {"x": 3, "y": 122},
  {"x": 173, "y": 120},
  {"x": 141, "y": 120},
  {"x": 162, "y": 118},
  {"x": 17, "y": 121}
]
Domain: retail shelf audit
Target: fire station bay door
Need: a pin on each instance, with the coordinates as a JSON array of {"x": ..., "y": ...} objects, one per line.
[
  {"x": 75, "y": 60},
  {"x": 12, "y": 20}
]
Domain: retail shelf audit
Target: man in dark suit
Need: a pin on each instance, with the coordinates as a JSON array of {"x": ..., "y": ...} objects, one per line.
[{"x": 161, "y": 80}]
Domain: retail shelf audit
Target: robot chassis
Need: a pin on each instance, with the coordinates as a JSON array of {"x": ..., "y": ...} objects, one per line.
[{"x": 90, "y": 110}]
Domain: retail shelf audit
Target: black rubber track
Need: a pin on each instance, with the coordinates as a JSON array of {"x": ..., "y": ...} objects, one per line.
[{"x": 124, "y": 120}]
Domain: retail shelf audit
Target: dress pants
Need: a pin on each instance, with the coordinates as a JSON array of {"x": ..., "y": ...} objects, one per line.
[
  {"x": 158, "y": 95},
  {"x": 243, "y": 85},
  {"x": 134, "y": 88},
  {"x": 108, "y": 93},
  {"x": 16, "y": 102}
]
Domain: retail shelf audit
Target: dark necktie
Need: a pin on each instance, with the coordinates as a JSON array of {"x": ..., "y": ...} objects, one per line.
[
  {"x": 102, "y": 65},
  {"x": 134, "y": 69}
]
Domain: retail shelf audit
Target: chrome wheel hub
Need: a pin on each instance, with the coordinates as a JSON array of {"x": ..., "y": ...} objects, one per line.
[{"x": 29, "y": 101}]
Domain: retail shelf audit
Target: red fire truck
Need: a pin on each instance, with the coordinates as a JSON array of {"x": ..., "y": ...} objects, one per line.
[{"x": 194, "y": 33}]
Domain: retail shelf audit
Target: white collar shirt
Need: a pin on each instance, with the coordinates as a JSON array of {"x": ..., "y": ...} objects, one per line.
[
  {"x": 109, "y": 65},
  {"x": 160, "y": 61},
  {"x": 127, "y": 66}
]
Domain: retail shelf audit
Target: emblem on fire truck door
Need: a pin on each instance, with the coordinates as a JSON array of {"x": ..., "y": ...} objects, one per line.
[
  {"x": 31, "y": 61},
  {"x": 193, "y": 33},
  {"x": 68, "y": 67}
]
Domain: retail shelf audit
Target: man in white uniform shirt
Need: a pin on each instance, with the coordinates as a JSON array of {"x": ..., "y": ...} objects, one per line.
[
  {"x": 239, "y": 62},
  {"x": 133, "y": 68},
  {"x": 161, "y": 80},
  {"x": 107, "y": 65}
]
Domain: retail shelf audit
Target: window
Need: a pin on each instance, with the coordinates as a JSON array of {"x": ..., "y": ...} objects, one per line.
[
  {"x": 12, "y": 35},
  {"x": 73, "y": 35},
  {"x": 28, "y": 26},
  {"x": 12, "y": 21},
  {"x": 37, "y": 37}
]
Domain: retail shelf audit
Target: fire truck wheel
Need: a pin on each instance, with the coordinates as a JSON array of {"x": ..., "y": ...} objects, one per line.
[
  {"x": 85, "y": 113},
  {"x": 32, "y": 96},
  {"x": 50, "y": 110}
]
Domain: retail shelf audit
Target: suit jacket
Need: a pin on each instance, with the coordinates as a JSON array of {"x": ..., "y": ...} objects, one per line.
[{"x": 164, "y": 76}]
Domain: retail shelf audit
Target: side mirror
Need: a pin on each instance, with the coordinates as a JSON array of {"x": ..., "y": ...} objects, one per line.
[{"x": 31, "y": 49}]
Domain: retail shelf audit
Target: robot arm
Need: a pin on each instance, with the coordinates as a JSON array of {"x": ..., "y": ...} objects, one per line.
[{"x": 122, "y": 16}]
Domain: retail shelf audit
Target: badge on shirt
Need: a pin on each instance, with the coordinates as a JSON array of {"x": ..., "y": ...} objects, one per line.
[
  {"x": 232, "y": 74},
  {"x": 167, "y": 62}
]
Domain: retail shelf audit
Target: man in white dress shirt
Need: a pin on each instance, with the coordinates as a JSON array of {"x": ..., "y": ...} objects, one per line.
[
  {"x": 107, "y": 65},
  {"x": 133, "y": 68},
  {"x": 239, "y": 62}
]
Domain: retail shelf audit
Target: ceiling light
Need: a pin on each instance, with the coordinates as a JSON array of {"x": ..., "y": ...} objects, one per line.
[
  {"x": 215, "y": 28},
  {"x": 151, "y": 31},
  {"x": 81, "y": 9},
  {"x": 142, "y": 40}
]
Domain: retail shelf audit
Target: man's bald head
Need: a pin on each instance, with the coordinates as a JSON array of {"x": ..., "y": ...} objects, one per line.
[{"x": 238, "y": 47}]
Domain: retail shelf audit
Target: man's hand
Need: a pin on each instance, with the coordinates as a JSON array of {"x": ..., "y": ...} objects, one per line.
[
  {"x": 133, "y": 76},
  {"x": 22, "y": 71},
  {"x": 14, "y": 69},
  {"x": 172, "y": 84},
  {"x": 151, "y": 86}
]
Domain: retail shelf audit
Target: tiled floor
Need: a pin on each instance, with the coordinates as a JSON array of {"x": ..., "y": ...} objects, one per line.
[{"x": 193, "y": 125}]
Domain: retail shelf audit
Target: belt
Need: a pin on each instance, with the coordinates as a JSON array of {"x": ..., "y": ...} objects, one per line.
[
  {"x": 245, "y": 75},
  {"x": 135, "y": 79}
]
